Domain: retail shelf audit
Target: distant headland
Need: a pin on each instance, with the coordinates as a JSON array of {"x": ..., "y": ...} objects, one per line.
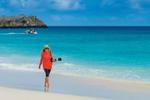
[{"x": 21, "y": 22}]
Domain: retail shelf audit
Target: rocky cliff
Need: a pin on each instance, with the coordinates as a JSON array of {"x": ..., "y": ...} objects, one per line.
[{"x": 20, "y": 21}]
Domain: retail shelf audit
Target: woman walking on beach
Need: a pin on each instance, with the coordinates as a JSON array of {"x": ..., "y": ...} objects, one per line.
[{"x": 46, "y": 61}]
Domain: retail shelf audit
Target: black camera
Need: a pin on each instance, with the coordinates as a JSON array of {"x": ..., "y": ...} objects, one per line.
[
  {"x": 54, "y": 59},
  {"x": 59, "y": 59}
]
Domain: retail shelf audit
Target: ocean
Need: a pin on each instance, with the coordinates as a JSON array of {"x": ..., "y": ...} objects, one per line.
[{"x": 121, "y": 53}]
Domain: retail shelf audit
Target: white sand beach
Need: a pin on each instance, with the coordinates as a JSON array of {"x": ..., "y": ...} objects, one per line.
[
  {"x": 16, "y": 85},
  {"x": 14, "y": 94}
]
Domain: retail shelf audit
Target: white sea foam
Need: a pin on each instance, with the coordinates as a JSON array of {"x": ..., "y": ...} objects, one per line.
[
  {"x": 77, "y": 70},
  {"x": 12, "y": 33},
  {"x": 21, "y": 67}
]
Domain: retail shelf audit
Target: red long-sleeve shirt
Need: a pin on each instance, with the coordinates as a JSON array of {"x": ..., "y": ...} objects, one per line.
[{"x": 46, "y": 60}]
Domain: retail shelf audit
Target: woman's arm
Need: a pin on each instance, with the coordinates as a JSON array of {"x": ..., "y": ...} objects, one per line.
[
  {"x": 52, "y": 59},
  {"x": 41, "y": 61}
]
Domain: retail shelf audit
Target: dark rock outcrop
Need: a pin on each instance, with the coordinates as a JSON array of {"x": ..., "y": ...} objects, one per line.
[{"x": 20, "y": 21}]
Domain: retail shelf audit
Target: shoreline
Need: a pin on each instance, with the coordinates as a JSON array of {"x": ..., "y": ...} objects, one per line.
[
  {"x": 106, "y": 79},
  {"x": 87, "y": 77},
  {"x": 96, "y": 78},
  {"x": 77, "y": 86}
]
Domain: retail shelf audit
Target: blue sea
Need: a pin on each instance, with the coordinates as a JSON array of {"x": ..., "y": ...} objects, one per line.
[{"x": 121, "y": 53}]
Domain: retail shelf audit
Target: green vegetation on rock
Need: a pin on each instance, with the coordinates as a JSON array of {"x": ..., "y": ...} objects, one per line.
[{"x": 21, "y": 21}]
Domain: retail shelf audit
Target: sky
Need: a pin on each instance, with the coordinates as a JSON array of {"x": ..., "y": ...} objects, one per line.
[{"x": 81, "y": 12}]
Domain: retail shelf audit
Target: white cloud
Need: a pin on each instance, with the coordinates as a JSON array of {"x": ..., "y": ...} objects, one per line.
[
  {"x": 15, "y": 2},
  {"x": 23, "y": 3},
  {"x": 139, "y": 4},
  {"x": 65, "y": 4},
  {"x": 107, "y": 2},
  {"x": 135, "y": 4}
]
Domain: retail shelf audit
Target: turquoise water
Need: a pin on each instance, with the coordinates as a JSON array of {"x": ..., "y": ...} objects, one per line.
[{"x": 118, "y": 53}]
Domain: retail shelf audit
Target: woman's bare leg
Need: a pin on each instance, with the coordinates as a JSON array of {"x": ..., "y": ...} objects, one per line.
[
  {"x": 47, "y": 81},
  {"x": 45, "y": 86}
]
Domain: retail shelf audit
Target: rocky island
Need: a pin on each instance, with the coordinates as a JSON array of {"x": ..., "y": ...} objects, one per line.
[{"x": 21, "y": 22}]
